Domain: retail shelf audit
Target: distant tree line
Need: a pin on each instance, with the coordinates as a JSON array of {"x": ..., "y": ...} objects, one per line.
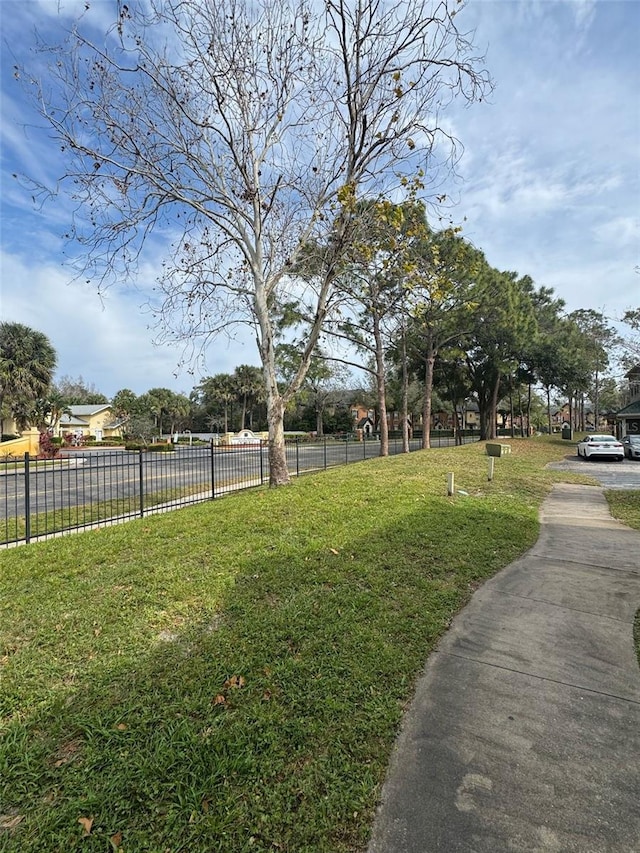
[{"x": 508, "y": 347}]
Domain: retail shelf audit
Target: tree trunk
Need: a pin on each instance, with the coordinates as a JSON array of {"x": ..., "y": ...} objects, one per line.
[
  {"x": 428, "y": 393},
  {"x": 494, "y": 408},
  {"x": 511, "y": 409},
  {"x": 488, "y": 405},
  {"x": 381, "y": 387},
  {"x": 404, "y": 414},
  {"x": 278, "y": 471}
]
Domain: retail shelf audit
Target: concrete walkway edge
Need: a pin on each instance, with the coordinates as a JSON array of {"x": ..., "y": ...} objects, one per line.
[{"x": 524, "y": 732}]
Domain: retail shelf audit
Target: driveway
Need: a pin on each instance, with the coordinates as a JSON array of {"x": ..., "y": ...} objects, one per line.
[{"x": 609, "y": 473}]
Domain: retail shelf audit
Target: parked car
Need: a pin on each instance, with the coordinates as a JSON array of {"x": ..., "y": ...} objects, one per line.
[
  {"x": 631, "y": 446},
  {"x": 600, "y": 445}
]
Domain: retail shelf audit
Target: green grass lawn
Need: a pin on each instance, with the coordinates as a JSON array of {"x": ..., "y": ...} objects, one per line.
[
  {"x": 231, "y": 676},
  {"x": 625, "y": 506}
]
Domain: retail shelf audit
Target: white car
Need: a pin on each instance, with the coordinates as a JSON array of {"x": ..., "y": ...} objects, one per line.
[{"x": 600, "y": 445}]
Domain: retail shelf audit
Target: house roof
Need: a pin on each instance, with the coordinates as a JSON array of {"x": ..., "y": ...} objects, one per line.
[
  {"x": 635, "y": 371},
  {"x": 631, "y": 409},
  {"x": 71, "y": 420},
  {"x": 88, "y": 410},
  {"x": 80, "y": 415}
]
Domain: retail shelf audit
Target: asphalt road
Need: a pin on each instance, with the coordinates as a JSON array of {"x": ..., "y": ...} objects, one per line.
[
  {"x": 609, "y": 473},
  {"x": 81, "y": 478}
]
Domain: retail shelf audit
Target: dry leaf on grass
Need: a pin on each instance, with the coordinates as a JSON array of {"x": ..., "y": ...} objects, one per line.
[
  {"x": 86, "y": 823},
  {"x": 10, "y": 821}
]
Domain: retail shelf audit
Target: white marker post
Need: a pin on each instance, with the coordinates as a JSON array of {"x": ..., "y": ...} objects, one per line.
[
  {"x": 492, "y": 462},
  {"x": 450, "y": 484}
]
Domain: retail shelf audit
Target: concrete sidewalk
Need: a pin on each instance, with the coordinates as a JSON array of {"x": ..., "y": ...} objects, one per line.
[{"x": 524, "y": 733}]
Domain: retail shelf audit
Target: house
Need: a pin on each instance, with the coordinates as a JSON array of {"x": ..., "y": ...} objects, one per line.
[
  {"x": 366, "y": 425},
  {"x": 628, "y": 418},
  {"x": 89, "y": 420},
  {"x": 359, "y": 412},
  {"x": 587, "y": 419},
  {"x": 470, "y": 415}
]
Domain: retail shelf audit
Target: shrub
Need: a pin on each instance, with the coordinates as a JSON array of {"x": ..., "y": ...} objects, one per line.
[
  {"x": 48, "y": 450},
  {"x": 161, "y": 448}
]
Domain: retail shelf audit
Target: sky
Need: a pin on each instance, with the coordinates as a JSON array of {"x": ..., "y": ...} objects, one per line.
[{"x": 548, "y": 184}]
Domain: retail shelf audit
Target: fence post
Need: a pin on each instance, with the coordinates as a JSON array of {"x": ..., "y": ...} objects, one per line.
[
  {"x": 213, "y": 470},
  {"x": 325, "y": 453},
  {"x": 27, "y": 500},
  {"x": 141, "y": 482},
  {"x": 262, "y": 444},
  {"x": 297, "y": 457}
]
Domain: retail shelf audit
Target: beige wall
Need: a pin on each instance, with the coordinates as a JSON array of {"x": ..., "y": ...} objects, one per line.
[{"x": 29, "y": 442}]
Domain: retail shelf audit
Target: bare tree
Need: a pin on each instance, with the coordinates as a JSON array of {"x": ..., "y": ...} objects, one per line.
[{"x": 235, "y": 132}]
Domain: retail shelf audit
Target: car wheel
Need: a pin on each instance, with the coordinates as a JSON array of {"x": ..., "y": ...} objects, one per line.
[{"x": 620, "y": 458}]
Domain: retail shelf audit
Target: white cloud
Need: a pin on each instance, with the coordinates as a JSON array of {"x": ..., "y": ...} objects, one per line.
[
  {"x": 551, "y": 182},
  {"x": 584, "y": 12},
  {"x": 619, "y": 232},
  {"x": 109, "y": 341}
]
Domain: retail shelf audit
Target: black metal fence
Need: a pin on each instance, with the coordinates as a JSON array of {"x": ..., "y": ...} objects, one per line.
[{"x": 89, "y": 488}]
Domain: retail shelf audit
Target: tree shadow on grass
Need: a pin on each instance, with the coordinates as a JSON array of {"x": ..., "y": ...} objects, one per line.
[{"x": 265, "y": 725}]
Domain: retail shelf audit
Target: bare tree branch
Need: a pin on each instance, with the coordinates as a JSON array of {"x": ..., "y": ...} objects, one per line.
[{"x": 231, "y": 134}]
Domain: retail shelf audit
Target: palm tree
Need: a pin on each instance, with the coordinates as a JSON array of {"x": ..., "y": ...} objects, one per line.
[
  {"x": 178, "y": 409},
  {"x": 249, "y": 384},
  {"x": 157, "y": 402},
  {"x": 217, "y": 390},
  {"x": 48, "y": 410},
  {"x": 27, "y": 363}
]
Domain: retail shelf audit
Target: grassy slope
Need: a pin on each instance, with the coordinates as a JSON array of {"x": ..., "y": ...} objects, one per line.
[
  {"x": 230, "y": 677},
  {"x": 625, "y": 506}
]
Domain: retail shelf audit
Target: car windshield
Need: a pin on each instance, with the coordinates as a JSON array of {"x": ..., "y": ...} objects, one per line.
[{"x": 633, "y": 439}]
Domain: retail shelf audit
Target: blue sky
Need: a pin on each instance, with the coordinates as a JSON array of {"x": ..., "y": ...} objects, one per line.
[{"x": 549, "y": 183}]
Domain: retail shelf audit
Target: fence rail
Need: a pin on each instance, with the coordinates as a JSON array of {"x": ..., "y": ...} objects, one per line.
[{"x": 83, "y": 489}]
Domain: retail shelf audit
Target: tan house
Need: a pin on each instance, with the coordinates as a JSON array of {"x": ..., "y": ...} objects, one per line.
[{"x": 89, "y": 420}]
